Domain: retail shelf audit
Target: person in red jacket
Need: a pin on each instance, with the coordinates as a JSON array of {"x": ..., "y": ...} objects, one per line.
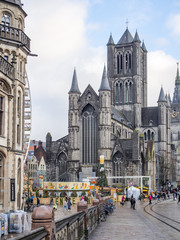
[{"x": 150, "y": 198}]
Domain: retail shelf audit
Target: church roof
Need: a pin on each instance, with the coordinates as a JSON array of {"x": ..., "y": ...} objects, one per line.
[
  {"x": 17, "y": 2},
  {"x": 136, "y": 38},
  {"x": 149, "y": 114},
  {"x": 74, "y": 86},
  {"x": 126, "y": 37},
  {"x": 162, "y": 96},
  {"x": 119, "y": 116},
  {"x": 111, "y": 41},
  {"x": 144, "y": 47},
  {"x": 104, "y": 82}
]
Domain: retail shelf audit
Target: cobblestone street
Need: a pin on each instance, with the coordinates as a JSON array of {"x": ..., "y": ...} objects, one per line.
[{"x": 126, "y": 223}]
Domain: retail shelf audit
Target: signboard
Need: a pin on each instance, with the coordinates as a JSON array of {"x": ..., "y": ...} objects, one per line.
[
  {"x": 66, "y": 185},
  {"x": 12, "y": 187}
]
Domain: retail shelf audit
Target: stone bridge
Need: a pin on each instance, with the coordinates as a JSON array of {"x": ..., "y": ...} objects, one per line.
[{"x": 75, "y": 227}]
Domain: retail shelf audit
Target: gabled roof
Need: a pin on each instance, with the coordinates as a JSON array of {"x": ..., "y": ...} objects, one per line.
[
  {"x": 104, "y": 82},
  {"x": 126, "y": 37},
  {"x": 74, "y": 86},
  {"x": 120, "y": 117},
  {"x": 110, "y": 42}
]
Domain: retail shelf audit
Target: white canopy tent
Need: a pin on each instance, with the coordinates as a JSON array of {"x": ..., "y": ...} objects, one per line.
[{"x": 134, "y": 191}]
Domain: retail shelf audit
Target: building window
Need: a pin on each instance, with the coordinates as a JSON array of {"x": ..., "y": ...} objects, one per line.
[
  {"x": 119, "y": 63},
  {"x": 117, "y": 93},
  {"x": 18, "y": 134},
  {"x": 89, "y": 135},
  {"x": 145, "y": 136},
  {"x": 127, "y": 92},
  {"x": 1, "y": 177},
  {"x": 5, "y": 20},
  {"x": 1, "y": 114},
  {"x": 149, "y": 135},
  {"x": 130, "y": 92}
]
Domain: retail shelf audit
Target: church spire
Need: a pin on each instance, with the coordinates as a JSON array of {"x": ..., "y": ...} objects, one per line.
[
  {"x": 177, "y": 76},
  {"x": 111, "y": 41},
  {"x": 74, "y": 86},
  {"x": 162, "y": 96},
  {"x": 136, "y": 37},
  {"x": 104, "y": 82}
]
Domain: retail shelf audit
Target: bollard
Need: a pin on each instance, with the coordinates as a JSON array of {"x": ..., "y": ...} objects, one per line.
[{"x": 43, "y": 216}]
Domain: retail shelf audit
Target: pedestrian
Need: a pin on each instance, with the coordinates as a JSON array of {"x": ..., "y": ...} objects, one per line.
[
  {"x": 65, "y": 205},
  {"x": 38, "y": 202},
  {"x": 178, "y": 198},
  {"x": 150, "y": 199},
  {"x": 131, "y": 200},
  {"x": 133, "y": 203},
  {"x": 122, "y": 201},
  {"x": 69, "y": 204},
  {"x": 82, "y": 198}
]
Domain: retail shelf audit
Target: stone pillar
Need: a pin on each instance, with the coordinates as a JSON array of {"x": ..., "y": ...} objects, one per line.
[
  {"x": 43, "y": 216},
  {"x": 83, "y": 206}
]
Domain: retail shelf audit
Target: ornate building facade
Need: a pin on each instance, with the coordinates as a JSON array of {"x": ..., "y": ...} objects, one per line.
[
  {"x": 115, "y": 123},
  {"x": 14, "y": 49}
]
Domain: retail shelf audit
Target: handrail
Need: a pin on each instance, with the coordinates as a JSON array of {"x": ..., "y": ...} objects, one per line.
[
  {"x": 37, "y": 234},
  {"x": 15, "y": 34},
  {"x": 6, "y": 68}
]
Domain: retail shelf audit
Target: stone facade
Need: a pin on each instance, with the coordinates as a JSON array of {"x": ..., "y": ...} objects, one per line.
[
  {"x": 116, "y": 122},
  {"x": 14, "y": 48}
]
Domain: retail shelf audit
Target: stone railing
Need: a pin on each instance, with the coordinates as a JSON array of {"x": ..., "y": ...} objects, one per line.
[
  {"x": 6, "y": 68},
  {"x": 15, "y": 34},
  {"x": 75, "y": 227}
]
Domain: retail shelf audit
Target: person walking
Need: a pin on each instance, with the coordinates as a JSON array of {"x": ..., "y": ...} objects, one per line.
[
  {"x": 38, "y": 202},
  {"x": 131, "y": 200},
  {"x": 65, "y": 205},
  {"x": 178, "y": 198},
  {"x": 133, "y": 203},
  {"x": 150, "y": 199},
  {"x": 69, "y": 204}
]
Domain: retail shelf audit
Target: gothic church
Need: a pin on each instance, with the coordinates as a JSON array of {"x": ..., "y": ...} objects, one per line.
[{"x": 115, "y": 123}]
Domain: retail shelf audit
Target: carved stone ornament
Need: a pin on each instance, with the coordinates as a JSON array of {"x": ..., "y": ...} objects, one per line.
[{"x": 4, "y": 86}]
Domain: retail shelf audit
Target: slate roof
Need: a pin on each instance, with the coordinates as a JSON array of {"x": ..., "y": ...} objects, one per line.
[
  {"x": 17, "y": 2},
  {"x": 111, "y": 41},
  {"x": 162, "y": 96},
  {"x": 104, "y": 82},
  {"x": 126, "y": 37},
  {"x": 119, "y": 116},
  {"x": 149, "y": 114},
  {"x": 74, "y": 86},
  {"x": 136, "y": 38}
]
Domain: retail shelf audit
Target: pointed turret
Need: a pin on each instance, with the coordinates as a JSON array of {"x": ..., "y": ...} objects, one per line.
[
  {"x": 111, "y": 41},
  {"x": 162, "y": 96},
  {"x": 74, "y": 86},
  {"x": 169, "y": 98},
  {"x": 126, "y": 37},
  {"x": 104, "y": 82},
  {"x": 144, "y": 47},
  {"x": 136, "y": 37},
  {"x": 177, "y": 76}
]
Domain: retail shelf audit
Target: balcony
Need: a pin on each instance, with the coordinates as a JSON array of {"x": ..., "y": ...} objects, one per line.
[
  {"x": 15, "y": 34},
  {"x": 6, "y": 68}
]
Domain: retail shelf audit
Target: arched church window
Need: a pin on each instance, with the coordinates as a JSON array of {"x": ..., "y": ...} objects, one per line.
[
  {"x": 128, "y": 59},
  {"x": 149, "y": 134},
  {"x": 145, "y": 137},
  {"x": 117, "y": 93},
  {"x": 89, "y": 135},
  {"x": 62, "y": 163},
  {"x": 130, "y": 92},
  {"x": 117, "y": 166},
  {"x": 127, "y": 92},
  {"x": 152, "y": 134},
  {"x": 118, "y": 69},
  {"x": 121, "y": 93}
]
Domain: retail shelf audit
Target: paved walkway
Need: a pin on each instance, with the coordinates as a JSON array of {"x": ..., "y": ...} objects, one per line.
[{"x": 126, "y": 223}]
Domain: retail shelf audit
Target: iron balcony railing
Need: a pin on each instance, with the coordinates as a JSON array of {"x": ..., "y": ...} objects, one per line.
[
  {"x": 15, "y": 34},
  {"x": 6, "y": 68}
]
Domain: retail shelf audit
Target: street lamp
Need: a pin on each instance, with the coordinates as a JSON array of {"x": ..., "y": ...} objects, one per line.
[{"x": 102, "y": 171}]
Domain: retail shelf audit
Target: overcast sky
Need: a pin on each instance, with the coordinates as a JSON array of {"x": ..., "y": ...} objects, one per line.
[{"x": 74, "y": 33}]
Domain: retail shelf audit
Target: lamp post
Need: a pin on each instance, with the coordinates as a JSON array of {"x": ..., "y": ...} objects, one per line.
[{"x": 102, "y": 172}]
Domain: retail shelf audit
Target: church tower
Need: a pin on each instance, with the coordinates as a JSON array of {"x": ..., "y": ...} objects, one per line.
[
  {"x": 127, "y": 73},
  {"x": 105, "y": 122},
  {"x": 14, "y": 49},
  {"x": 73, "y": 128}
]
